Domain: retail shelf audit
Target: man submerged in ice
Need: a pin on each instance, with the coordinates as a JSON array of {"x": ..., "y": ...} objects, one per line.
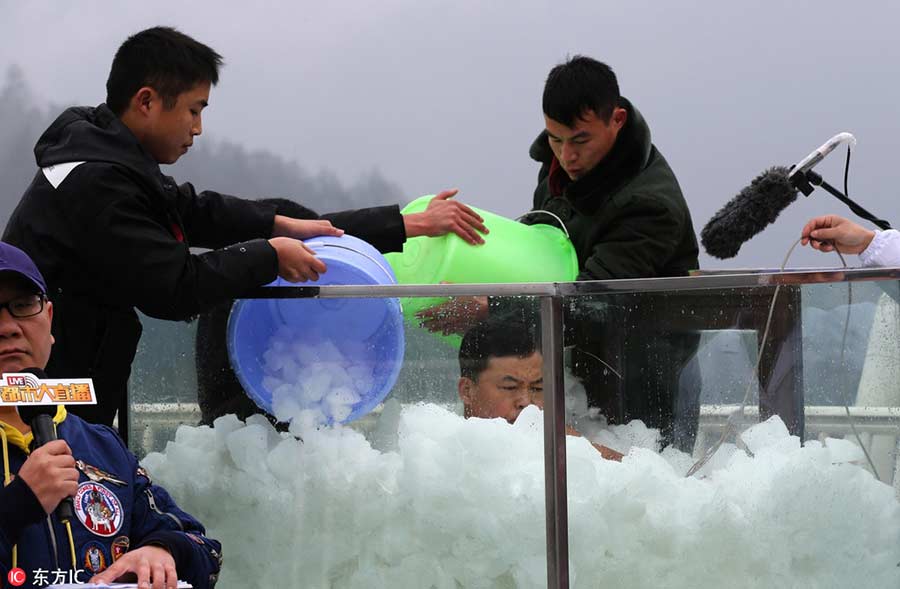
[{"x": 501, "y": 372}]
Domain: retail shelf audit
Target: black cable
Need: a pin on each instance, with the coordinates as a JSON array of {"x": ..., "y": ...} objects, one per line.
[{"x": 847, "y": 173}]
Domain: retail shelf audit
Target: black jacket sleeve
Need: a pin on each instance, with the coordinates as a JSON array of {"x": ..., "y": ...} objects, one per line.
[
  {"x": 214, "y": 220},
  {"x": 380, "y": 226},
  {"x": 125, "y": 246}
]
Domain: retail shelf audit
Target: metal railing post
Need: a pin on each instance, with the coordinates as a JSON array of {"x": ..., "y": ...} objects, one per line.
[{"x": 555, "y": 444}]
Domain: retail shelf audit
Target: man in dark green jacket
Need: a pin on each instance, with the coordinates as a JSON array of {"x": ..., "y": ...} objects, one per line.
[
  {"x": 617, "y": 196},
  {"x": 620, "y": 203},
  {"x": 623, "y": 209}
]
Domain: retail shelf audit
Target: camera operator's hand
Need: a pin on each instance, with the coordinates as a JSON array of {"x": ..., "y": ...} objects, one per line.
[
  {"x": 296, "y": 261},
  {"x": 830, "y": 232},
  {"x": 50, "y": 473}
]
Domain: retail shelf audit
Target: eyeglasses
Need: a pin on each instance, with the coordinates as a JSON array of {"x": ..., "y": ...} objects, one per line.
[{"x": 27, "y": 306}]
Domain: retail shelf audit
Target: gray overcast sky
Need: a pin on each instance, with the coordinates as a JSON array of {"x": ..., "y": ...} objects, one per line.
[{"x": 447, "y": 93}]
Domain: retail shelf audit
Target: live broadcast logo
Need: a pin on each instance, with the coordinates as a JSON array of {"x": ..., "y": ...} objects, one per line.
[
  {"x": 25, "y": 389},
  {"x": 73, "y": 393}
]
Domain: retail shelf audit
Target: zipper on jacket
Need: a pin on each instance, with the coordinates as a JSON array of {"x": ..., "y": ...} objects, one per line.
[{"x": 153, "y": 506}]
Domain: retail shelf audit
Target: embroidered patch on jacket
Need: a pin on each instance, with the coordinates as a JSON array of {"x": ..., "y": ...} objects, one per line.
[
  {"x": 120, "y": 547},
  {"x": 98, "y": 509},
  {"x": 97, "y": 475},
  {"x": 94, "y": 559}
]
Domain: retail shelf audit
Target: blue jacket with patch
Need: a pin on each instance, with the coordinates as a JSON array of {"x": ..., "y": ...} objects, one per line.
[{"x": 119, "y": 510}]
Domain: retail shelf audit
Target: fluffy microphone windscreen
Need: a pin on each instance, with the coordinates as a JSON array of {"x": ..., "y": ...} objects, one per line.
[{"x": 752, "y": 210}]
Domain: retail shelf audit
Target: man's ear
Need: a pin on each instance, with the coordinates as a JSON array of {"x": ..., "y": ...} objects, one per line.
[
  {"x": 144, "y": 100},
  {"x": 49, "y": 306},
  {"x": 466, "y": 389},
  {"x": 619, "y": 118}
]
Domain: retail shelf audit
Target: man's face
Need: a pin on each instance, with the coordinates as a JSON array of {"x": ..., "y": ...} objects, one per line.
[
  {"x": 581, "y": 147},
  {"x": 170, "y": 132},
  {"x": 24, "y": 342},
  {"x": 504, "y": 388}
]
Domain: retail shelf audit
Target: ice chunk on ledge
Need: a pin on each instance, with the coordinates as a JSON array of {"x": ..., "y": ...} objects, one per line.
[{"x": 461, "y": 503}]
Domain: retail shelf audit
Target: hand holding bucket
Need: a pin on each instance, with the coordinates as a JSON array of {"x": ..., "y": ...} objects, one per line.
[
  {"x": 331, "y": 359},
  {"x": 441, "y": 216},
  {"x": 512, "y": 252},
  {"x": 297, "y": 262}
]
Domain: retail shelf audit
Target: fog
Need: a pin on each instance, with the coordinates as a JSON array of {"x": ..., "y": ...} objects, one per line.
[{"x": 436, "y": 94}]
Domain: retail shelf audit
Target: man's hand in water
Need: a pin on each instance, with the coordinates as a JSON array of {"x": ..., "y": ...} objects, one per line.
[{"x": 457, "y": 315}]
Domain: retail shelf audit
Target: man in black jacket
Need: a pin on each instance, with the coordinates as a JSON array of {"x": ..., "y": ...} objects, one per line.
[{"x": 111, "y": 233}]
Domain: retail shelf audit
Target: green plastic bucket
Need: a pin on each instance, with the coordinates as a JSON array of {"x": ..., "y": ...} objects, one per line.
[{"x": 512, "y": 252}]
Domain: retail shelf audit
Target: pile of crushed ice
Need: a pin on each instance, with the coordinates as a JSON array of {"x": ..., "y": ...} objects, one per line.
[
  {"x": 435, "y": 500},
  {"x": 315, "y": 384}
]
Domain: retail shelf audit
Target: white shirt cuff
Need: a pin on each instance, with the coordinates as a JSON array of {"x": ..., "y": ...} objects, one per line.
[{"x": 883, "y": 251}]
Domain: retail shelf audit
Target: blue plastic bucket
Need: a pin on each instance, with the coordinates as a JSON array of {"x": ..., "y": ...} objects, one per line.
[{"x": 366, "y": 332}]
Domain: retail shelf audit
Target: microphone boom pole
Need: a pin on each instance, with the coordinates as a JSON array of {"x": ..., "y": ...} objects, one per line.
[{"x": 804, "y": 182}]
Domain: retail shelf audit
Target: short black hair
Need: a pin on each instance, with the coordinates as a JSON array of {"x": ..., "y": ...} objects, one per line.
[
  {"x": 499, "y": 336},
  {"x": 577, "y": 86},
  {"x": 163, "y": 58}
]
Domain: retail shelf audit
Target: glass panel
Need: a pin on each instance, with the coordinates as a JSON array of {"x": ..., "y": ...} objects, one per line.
[
  {"x": 413, "y": 494},
  {"x": 409, "y": 494},
  {"x": 788, "y": 496}
]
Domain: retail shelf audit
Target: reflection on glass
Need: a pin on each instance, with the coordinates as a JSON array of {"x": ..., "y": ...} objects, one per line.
[{"x": 413, "y": 494}]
